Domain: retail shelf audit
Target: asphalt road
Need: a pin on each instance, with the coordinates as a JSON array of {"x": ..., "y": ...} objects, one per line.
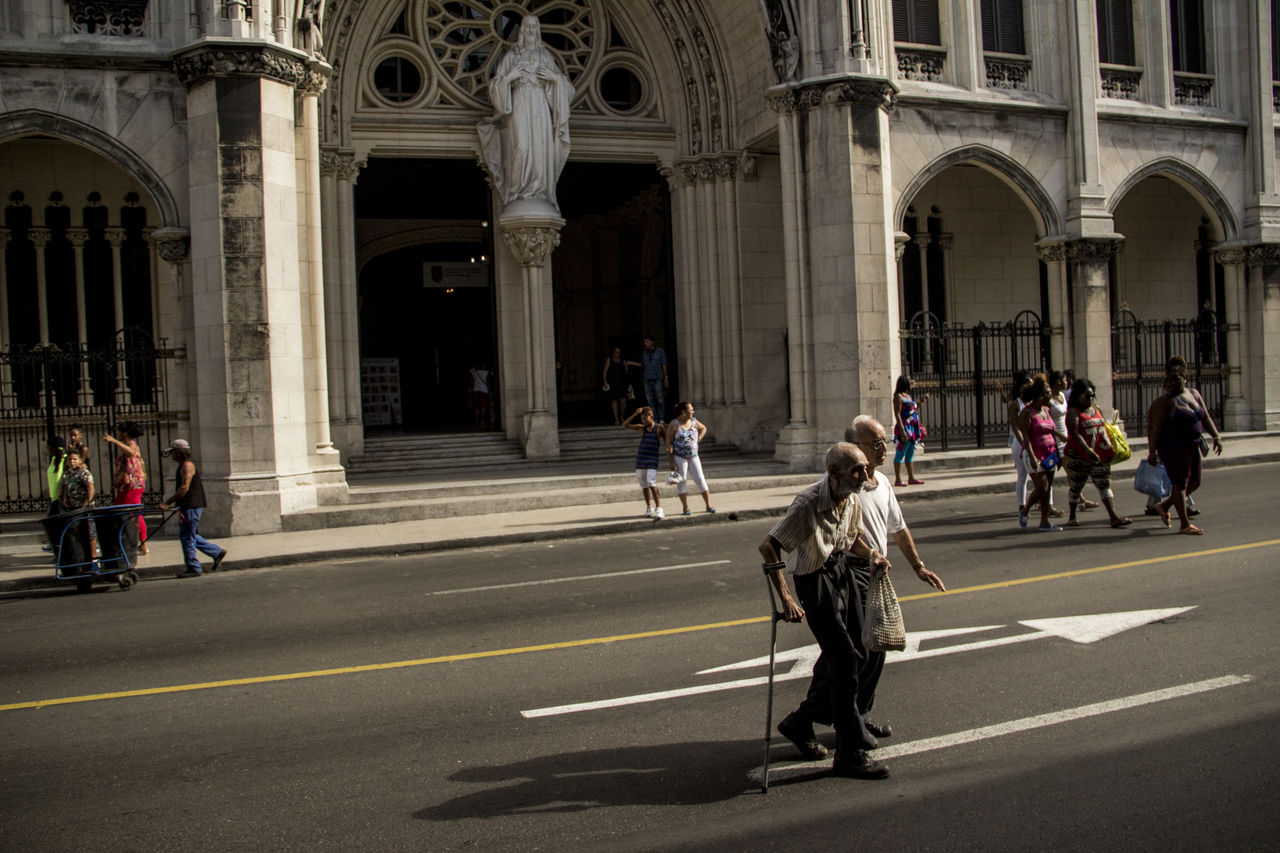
[{"x": 423, "y": 703}]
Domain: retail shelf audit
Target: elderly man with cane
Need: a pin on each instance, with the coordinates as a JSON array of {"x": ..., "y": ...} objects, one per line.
[{"x": 820, "y": 529}]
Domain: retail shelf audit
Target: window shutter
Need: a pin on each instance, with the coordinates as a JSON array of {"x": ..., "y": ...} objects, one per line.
[
  {"x": 1186, "y": 22},
  {"x": 1010, "y": 27},
  {"x": 901, "y": 21},
  {"x": 989, "y": 39},
  {"x": 1275, "y": 40},
  {"x": 1115, "y": 32},
  {"x": 926, "y": 28}
]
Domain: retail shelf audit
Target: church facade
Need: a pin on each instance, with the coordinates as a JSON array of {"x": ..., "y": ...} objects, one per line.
[{"x": 800, "y": 200}]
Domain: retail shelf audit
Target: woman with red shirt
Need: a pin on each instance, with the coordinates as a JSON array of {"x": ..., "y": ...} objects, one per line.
[
  {"x": 1088, "y": 452},
  {"x": 1034, "y": 431},
  {"x": 130, "y": 478}
]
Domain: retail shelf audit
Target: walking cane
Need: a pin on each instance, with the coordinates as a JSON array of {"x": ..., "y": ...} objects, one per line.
[{"x": 775, "y": 616}]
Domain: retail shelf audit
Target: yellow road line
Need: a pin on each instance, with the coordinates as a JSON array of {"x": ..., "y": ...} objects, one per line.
[{"x": 596, "y": 641}]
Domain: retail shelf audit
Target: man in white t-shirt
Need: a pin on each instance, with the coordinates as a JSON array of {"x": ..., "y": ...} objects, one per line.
[{"x": 881, "y": 518}]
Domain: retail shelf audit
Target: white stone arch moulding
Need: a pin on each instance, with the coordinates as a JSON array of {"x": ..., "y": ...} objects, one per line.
[
  {"x": 1041, "y": 207},
  {"x": 18, "y": 125},
  {"x": 1221, "y": 217}
]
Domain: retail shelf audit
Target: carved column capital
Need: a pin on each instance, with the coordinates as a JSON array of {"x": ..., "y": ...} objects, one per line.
[
  {"x": 878, "y": 92},
  {"x": 725, "y": 166},
  {"x": 1091, "y": 249},
  {"x": 230, "y": 58},
  {"x": 316, "y": 78},
  {"x": 78, "y": 237},
  {"x": 531, "y": 244},
  {"x": 39, "y": 237},
  {"x": 945, "y": 241},
  {"x": 341, "y": 163},
  {"x": 115, "y": 236},
  {"x": 1051, "y": 252},
  {"x": 171, "y": 244}
]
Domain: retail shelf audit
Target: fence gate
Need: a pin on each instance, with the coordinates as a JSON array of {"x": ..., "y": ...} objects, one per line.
[
  {"x": 961, "y": 367},
  {"x": 46, "y": 388},
  {"x": 1139, "y": 349}
]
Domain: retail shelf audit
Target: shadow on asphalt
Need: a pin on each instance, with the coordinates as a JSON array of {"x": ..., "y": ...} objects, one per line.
[{"x": 669, "y": 774}]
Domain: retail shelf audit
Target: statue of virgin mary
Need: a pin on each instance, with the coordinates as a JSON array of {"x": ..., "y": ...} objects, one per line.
[{"x": 526, "y": 141}]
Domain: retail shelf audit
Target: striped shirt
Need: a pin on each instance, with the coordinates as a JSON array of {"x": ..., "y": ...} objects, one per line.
[
  {"x": 647, "y": 455},
  {"x": 815, "y": 526}
]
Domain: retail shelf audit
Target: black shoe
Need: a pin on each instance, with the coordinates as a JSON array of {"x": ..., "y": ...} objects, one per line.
[
  {"x": 1192, "y": 511},
  {"x": 858, "y": 766},
  {"x": 1150, "y": 510},
  {"x": 189, "y": 573},
  {"x": 879, "y": 729},
  {"x": 803, "y": 737},
  {"x": 217, "y": 561}
]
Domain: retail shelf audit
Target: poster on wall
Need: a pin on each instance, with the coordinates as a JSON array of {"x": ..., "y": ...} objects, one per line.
[{"x": 380, "y": 391}]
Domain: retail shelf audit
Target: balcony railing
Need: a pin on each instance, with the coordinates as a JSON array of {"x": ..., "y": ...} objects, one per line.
[
  {"x": 920, "y": 62},
  {"x": 1007, "y": 71},
  {"x": 1120, "y": 82}
]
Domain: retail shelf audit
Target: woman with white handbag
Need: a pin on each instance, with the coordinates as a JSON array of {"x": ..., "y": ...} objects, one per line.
[{"x": 683, "y": 435}]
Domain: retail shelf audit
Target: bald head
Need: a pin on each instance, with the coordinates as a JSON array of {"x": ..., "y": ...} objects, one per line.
[
  {"x": 869, "y": 435},
  {"x": 846, "y": 469}
]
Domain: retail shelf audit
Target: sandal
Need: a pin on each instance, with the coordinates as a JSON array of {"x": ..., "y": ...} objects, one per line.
[
  {"x": 1122, "y": 522},
  {"x": 1191, "y": 530},
  {"x": 899, "y": 483},
  {"x": 1088, "y": 504},
  {"x": 915, "y": 482},
  {"x": 1164, "y": 514},
  {"x": 1072, "y": 523}
]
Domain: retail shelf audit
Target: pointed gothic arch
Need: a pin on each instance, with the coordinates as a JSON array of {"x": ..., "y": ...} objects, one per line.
[{"x": 1195, "y": 182}]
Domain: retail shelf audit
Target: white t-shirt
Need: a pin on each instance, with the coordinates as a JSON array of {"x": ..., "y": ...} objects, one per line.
[{"x": 881, "y": 514}]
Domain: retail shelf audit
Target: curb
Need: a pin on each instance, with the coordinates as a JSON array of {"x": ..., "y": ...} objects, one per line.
[{"x": 631, "y": 526}]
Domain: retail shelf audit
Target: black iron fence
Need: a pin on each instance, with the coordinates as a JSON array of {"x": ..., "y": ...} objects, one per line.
[
  {"x": 45, "y": 389},
  {"x": 1140, "y": 348},
  {"x": 963, "y": 368}
]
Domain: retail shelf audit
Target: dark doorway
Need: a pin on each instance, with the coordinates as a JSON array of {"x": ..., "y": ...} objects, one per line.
[
  {"x": 612, "y": 282},
  {"x": 426, "y": 292}
]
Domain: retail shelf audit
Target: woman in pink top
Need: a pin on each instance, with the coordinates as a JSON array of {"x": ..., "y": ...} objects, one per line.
[{"x": 1035, "y": 433}]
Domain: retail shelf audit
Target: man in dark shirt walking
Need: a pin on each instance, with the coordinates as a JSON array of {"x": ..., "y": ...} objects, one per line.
[{"x": 188, "y": 498}]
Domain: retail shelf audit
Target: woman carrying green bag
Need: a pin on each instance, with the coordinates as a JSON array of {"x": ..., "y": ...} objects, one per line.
[{"x": 1089, "y": 454}]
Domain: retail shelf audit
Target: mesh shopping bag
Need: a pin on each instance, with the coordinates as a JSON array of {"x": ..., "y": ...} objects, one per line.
[{"x": 882, "y": 627}]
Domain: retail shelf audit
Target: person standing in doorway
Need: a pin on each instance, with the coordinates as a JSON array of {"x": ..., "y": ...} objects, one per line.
[
  {"x": 478, "y": 380},
  {"x": 656, "y": 381},
  {"x": 616, "y": 382},
  {"x": 188, "y": 498}
]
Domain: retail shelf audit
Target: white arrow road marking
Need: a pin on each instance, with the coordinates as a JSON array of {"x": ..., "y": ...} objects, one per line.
[
  {"x": 1078, "y": 629},
  {"x": 810, "y": 768}
]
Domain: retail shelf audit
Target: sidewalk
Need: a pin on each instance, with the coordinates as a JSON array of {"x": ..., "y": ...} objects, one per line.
[{"x": 24, "y": 566}]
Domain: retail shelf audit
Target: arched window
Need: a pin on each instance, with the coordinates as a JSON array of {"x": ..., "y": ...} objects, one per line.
[{"x": 1186, "y": 28}]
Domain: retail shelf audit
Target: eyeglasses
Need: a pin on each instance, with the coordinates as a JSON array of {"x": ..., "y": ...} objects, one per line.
[{"x": 878, "y": 444}]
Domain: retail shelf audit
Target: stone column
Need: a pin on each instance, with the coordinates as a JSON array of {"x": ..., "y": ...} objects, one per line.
[
  {"x": 333, "y": 298},
  {"x": 317, "y": 77},
  {"x": 692, "y": 367},
  {"x": 248, "y": 326},
  {"x": 347, "y": 169},
  {"x": 39, "y": 238},
  {"x": 1257, "y": 354},
  {"x": 726, "y": 170},
  {"x": 115, "y": 236},
  {"x": 1235, "y": 406},
  {"x": 837, "y": 127},
  {"x": 796, "y": 439},
  {"x": 1089, "y": 261},
  {"x": 1061, "y": 345},
  {"x": 173, "y": 247},
  {"x": 531, "y": 240},
  {"x": 78, "y": 237},
  {"x": 709, "y": 289}
]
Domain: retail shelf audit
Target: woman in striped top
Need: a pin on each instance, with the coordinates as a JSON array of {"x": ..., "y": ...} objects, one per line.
[{"x": 647, "y": 459}]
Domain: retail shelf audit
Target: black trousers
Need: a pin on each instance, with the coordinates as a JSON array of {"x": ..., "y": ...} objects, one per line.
[{"x": 832, "y": 602}]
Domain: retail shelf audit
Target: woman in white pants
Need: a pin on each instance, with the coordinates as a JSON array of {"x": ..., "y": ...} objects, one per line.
[{"x": 683, "y": 435}]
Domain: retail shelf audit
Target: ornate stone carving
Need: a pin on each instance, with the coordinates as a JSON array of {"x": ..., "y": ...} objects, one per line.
[
  {"x": 725, "y": 167},
  {"x": 1192, "y": 90},
  {"x": 532, "y": 245},
  {"x": 311, "y": 26},
  {"x": 1051, "y": 252},
  {"x": 172, "y": 247},
  {"x": 1258, "y": 254},
  {"x": 343, "y": 164},
  {"x": 526, "y": 141},
  {"x": 78, "y": 237},
  {"x": 1091, "y": 250},
  {"x": 225, "y": 60},
  {"x": 749, "y": 166},
  {"x": 1007, "y": 72},
  {"x": 920, "y": 63},
  {"x": 1121, "y": 83},
  {"x": 115, "y": 236},
  {"x": 107, "y": 17},
  {"x": 860, "y": 91},
  {"x": 315, "y": 80}
]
